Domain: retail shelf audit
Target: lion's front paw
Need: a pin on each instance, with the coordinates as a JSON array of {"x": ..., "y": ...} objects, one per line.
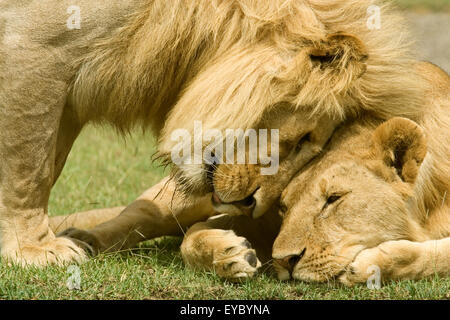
[
  {"x": 85, "y": 239},
  {"x": 59, "y": 251},
  {"x": 365, "y": 265},
  {"x": 237, "y": 260},
  {"x": 389, "y": 260},
  {"x": 230, "y": 256}
]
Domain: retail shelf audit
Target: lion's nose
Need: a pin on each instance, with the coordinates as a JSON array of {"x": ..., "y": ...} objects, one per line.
[{"x": 291, "y": 261}]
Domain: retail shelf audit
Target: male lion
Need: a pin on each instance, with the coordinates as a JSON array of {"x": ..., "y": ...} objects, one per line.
[{"x": 163, "y": 64}]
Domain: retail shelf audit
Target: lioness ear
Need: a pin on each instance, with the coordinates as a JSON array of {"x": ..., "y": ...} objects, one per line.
[
  {"x": 400, "y": 143},
  {"x": 340, "y": 51}
]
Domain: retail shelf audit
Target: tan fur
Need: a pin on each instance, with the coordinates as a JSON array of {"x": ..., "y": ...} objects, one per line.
[
  {"x": 162, "y": 64},
  {"x": 377, "y": 197},
  {"x": 87, "y": 219}
]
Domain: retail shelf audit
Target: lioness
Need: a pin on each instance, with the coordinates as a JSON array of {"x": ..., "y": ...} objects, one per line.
[
  {"x": 163, "y": 64},
  {"x": 372, "y": 204}
]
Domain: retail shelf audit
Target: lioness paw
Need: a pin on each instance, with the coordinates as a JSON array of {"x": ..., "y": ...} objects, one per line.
[
  {"x": 390, "y": 260},
  {"x": 236, "y": 262},
  {"x": 366, "y": 263},
  {"x": 230, "y": 256}
]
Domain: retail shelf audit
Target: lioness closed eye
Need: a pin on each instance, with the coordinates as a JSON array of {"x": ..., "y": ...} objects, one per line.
[{"x": 368, "y": 202}]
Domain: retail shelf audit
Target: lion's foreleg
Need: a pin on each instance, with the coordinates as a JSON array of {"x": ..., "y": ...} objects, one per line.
[
  {"x": 397, "y": 260},
  {"x": 68, "y": 131},
  {"x": 30, "y": 118},
  {"x": 160, "y": 211},
  {"x": 84, "y": 220}
]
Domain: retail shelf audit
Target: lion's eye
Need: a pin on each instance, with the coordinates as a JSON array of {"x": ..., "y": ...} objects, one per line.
[
  {"x": 331, "y": 199},
  {"x": 283, "y": 209},
  {"x": 305, "y": 138}
]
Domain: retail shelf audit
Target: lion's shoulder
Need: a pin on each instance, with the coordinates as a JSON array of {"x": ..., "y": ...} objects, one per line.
[{"x": 437, "y": 77}]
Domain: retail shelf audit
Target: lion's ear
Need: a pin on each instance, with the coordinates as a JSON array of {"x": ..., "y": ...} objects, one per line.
[
  {"x": 400, "y": 143},
  {"x": 340, "y": 52}
]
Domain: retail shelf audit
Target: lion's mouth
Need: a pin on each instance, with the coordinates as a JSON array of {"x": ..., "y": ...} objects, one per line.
[
  {"x": 335, "y": 270},
  {"x": 338, "y": 273},
  {"x": 246, "y": 205}
]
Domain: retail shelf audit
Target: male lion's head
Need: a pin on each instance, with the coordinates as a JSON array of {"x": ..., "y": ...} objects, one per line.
[
  {"x": 356, "y": 196},
  {"x": 297, "y": 66}
]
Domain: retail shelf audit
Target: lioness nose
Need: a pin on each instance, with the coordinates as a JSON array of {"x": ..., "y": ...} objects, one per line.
[{"x": 291, "y": 261}]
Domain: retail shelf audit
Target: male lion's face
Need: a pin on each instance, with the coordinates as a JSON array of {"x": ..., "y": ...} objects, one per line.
[
  {"x": 348, "y": 201},
  {"x": 301, "y": 92},
  {"x": 245, "y": 188}
]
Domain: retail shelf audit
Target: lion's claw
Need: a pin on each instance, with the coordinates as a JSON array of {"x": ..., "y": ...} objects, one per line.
[{"x": 84, "y": 239}]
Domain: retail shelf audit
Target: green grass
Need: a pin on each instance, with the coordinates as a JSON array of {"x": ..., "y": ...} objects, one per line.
[
  {"x": 156, "y": 271},
  {"x": 435, "y": 5},
  {"x": 104, "y": 171}
]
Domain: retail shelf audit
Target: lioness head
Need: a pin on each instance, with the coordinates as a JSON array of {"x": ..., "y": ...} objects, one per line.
[{"x": 356, "y": 196}]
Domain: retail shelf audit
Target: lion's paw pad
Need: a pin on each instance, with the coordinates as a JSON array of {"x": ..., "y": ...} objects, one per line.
[{"x": 236, "y": 262}]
